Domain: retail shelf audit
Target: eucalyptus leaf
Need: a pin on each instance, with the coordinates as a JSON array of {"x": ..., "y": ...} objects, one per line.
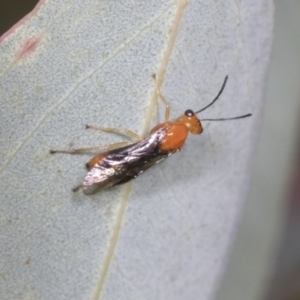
[{"x": 166, "y": 235}]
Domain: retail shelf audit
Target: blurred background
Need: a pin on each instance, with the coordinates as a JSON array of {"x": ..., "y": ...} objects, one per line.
[
  {"x": 265, "y": 261},
  {"x": 281, "y": 150},
  {"x": 11, "y": 11}
]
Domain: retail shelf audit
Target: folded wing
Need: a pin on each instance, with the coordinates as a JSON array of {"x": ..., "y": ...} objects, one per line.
[{"x": 124, "y": 164}]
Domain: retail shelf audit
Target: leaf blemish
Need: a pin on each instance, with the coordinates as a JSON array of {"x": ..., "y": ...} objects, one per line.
[{"x": 28, "y": 48}]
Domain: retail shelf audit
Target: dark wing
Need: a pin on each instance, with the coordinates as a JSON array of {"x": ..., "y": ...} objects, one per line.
[{"x": 123, "y": 164}]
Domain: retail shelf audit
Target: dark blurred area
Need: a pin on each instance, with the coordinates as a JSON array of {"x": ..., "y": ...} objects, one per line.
[
  {"x": 11, "y": 11},
  {"x": 285, "y": 282}
]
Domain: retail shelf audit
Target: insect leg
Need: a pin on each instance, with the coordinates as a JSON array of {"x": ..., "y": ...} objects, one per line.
[
  {"x": 167, "y": 113},
  {"x": 116, "y": 130},
  {"x": 76, "y": 188},
  {"x": 85, "y": 150}
]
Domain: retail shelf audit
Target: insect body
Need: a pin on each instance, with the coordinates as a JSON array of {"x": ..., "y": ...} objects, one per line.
[{"x": 121, "y": 162}]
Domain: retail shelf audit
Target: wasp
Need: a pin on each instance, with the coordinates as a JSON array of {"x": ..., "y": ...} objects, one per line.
[{"x": 121, "y": 162}]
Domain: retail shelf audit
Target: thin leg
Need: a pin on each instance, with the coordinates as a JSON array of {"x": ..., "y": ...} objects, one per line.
[
  {"x": 76, "y": 188},
  {"x": 167, "y": 114},
  {"x": 116, "y": 130},
  {"x": 85, "y": 150}
]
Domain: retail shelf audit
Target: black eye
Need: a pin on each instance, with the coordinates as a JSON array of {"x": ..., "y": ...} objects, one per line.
[{"x": 189, "y": 113}]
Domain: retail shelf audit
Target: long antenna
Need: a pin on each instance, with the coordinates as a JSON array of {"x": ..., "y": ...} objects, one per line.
[
  {"x": 226, "y": 119},
  {"x": 221, "y": 90}
]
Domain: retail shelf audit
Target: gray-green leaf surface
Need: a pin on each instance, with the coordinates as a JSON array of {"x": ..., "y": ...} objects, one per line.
[{"x": 167, "y": 234}]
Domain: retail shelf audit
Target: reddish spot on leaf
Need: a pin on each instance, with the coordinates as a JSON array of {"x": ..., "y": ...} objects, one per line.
[{"x": 28, "y": 48}]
